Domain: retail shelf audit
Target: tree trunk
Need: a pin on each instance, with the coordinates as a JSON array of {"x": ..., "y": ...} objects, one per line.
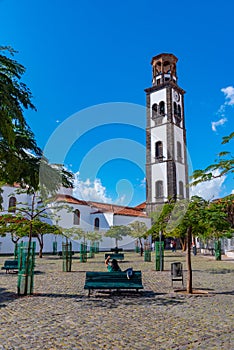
[
  {"x": 41, "y": 245},
  {"x": 183, "y": 244},
  {"x": 189, "y": 266},
  {"x": 141, "y": 246}
]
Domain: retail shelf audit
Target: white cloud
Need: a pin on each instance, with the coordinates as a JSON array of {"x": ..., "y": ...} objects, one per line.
[
  {"x": 229, "y": 101},
  {"x": 218, "y": 123},
  {"x": 210, "y": 189},
  {"x": 229, "y": 95},
  {"x": 90, "y": 190},
  {"x": 143, "y": 182},
  {"x": 232, "y": 192}
]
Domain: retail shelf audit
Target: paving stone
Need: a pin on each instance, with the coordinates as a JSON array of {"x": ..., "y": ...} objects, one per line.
[{"x": 60, "y": 315}]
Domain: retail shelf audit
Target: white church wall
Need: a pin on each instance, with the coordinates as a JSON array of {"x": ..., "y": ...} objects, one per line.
[
  {"x": 103, "y": 223},
  {"x": 66, "y": 220},
  {"x": 67, "y": 217},
  {"x": 9, "y": 191}
]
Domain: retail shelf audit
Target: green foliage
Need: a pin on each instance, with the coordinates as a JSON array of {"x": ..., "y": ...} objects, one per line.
[
  {"x": 21, "y": 160},
  {"x": 138, "y": 229},
  {"x": 14, "y": 97},
  {"x": 74, "y": 232},
  {"x": 94, "y": 236},
  {"x": 224, "y": 164},
  {"x": 118, "y": 232},
  {"x": 204, "y": 219},
  {"x": 160, "y": 219}
]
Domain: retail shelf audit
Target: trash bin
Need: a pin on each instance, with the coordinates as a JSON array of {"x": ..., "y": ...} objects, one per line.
[{"x": 177, "y": 272}]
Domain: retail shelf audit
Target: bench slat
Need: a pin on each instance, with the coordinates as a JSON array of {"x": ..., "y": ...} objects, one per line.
[
  {"x": 117, "y": 256},
  {"x": 113, "y": 280}
]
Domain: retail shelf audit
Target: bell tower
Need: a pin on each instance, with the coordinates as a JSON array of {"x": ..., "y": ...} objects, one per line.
[{"x": 166, "y": 153}]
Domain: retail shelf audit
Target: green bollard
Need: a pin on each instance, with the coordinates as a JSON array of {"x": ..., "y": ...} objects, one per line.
[
  {"x": 217, "y": 250},
  {"x": 159, "y": 256}
]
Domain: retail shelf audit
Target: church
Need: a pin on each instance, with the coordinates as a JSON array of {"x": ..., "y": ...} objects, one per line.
[{"x": 166, "y": 168}]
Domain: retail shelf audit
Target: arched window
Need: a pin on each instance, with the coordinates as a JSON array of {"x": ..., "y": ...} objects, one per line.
[
  {"x": 154, "y": 110},
  {"x": 179, "y": 152},
  {"x": 12, "y": 205},
  {"x": 96, "y": 224},
  {"x": 179, "y": 111},
  {"x": 162, "y": 108},
  {"x": 159, "y": 189},
  {"x": 159, "y": 150},
  {"x": 181, "y": 189},
  {"x": 76, "y": 220},
  {"x": 175, "y": 108}
]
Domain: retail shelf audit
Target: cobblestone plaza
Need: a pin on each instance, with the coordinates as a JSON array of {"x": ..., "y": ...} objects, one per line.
[{"x": 60, "y": 315}]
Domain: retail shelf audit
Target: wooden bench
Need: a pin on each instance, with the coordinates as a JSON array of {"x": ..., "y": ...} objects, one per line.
[
  {"x": 10, "y": 265},
  {"x": 119, "y": 256},
  {"x": 113, "y": 280}
]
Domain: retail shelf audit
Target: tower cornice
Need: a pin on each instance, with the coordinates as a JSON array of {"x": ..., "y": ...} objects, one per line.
[{"x": 164, "y": 85}]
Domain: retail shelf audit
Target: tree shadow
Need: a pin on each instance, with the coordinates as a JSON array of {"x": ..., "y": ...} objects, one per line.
[
  {"x": 229, "y": 292},
  {"x": 220, "y": 272},
  {"x": 6, "y": 297}
]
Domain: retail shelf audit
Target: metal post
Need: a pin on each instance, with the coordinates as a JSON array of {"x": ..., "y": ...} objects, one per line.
[{"x": 160, "y": 250}]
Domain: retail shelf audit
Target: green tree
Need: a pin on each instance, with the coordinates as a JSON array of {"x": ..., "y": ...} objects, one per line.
[
  {"x": 29, "y": 220},
  {"x": 19, "y": 227},
  {"x": 75, "y": 233},
  {"x": 200, "y": 219},
  {"x": 21, "y": 160},
  {"x": 15, "y": 97},
  {"x": 118, "y": 232},
  {"x": 138, "y": 230},
  {"x": 16, "y": 138}
]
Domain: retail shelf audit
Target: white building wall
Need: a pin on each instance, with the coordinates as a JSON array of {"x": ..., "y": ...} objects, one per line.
[{"x": 66, "y": 220}]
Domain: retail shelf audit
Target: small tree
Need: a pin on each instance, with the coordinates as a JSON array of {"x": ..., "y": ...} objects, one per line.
[
  {"x": 118, "y": 232},
  {"x": 30, "y": 220},
  {"x": 19, "y": 227},
  {"x": 74, "y": 233},
  {"x": 138, "y": 231},
  {"x": 201, "y": 218}
]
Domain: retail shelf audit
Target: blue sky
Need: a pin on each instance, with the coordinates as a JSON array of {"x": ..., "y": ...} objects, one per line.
[{"x": 80, "y": 54}]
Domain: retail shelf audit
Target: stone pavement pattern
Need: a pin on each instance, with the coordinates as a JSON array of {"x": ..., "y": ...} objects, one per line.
[{"x": 60, "y": 315}]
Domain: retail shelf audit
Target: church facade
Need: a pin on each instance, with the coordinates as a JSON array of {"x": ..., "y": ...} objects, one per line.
[{"x": 166, "y": 168}]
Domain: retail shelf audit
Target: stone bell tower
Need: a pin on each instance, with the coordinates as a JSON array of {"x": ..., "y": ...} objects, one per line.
[{"x": 166, "y": 152}]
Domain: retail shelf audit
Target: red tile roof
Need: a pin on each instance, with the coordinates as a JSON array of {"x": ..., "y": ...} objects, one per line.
[
  {"x": 117, "y": 209},
  {"x": 102, "y": 207},
  {"x": 69, "y": 199},
  {"x": 141, "y": 206}
]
